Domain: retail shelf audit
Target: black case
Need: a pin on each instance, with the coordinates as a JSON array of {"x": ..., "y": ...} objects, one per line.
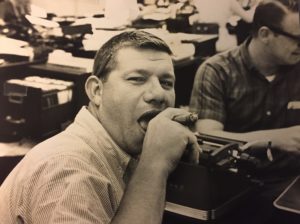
[{"x": 30, "y": 112}]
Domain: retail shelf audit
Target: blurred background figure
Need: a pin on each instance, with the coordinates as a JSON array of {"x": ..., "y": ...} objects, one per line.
[
  {"x": 12, "y": 18},
  {"x": 6, "y": 11},
  {"x": 21, "y": 7},
  {"x": 223, "y": 10},
  {"x": 240, "y": 23},
  {"x": 13, "y": 9},
  {"x": 122, "y": 12}
]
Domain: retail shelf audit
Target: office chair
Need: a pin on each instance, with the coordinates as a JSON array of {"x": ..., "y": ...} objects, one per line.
[
  {"x": 7, "y": 163},
  {"x": 205, "y": 28}
]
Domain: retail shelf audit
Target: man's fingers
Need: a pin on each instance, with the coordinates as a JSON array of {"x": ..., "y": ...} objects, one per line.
[
  {"x": 254, "y": 145},
  {"x": 195, "y": 150},
  {"x": 187, "y": 119}
]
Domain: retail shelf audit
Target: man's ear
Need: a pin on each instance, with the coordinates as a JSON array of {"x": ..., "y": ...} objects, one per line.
[
  {"x": 264, "y": 34},
  {"x": 93, "y": 89}
]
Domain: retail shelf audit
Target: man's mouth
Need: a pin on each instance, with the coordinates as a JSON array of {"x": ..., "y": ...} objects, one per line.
[{"x": 146, "y": 117}]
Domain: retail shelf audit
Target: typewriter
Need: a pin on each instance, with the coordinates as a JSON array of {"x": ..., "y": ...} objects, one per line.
[{"x": 222, "y": 180}]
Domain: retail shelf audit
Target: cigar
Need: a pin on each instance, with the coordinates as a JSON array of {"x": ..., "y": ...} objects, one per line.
[{"x": 186, "y": 119}]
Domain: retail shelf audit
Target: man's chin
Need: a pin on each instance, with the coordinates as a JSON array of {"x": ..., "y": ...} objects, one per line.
[
  {"x": 136, "y": 147},
  {"x": 135, "y": 152},
  {"x": 294, "y": 60}
]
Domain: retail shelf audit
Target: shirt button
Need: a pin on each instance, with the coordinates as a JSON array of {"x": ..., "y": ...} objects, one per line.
[{"x": 268, "y": 113}]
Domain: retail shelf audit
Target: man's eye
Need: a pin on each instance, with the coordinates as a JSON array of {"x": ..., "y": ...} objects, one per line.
[
  {"x": 167, "y": 84},
  {"x": 137, "y": 79}
]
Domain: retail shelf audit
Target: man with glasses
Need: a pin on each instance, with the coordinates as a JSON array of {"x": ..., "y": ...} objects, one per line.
[
  {"x": 252, "y": 92},
  {"x": 284, "y": 33}
]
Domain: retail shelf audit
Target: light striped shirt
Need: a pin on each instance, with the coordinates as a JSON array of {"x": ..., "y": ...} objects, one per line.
[{"x": 73, "y": 177}]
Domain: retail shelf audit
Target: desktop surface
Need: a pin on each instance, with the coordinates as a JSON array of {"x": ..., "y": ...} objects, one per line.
[{"x": 258, "y": 209}]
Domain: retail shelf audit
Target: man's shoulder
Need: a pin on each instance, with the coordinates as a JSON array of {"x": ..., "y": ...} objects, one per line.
[
  {"x": 226, "y": 64},
  {"x": 226, "y": 58},
  {"x": 64, "y": 145}
]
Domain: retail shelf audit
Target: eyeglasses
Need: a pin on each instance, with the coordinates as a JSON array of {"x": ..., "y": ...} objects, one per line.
[{"x": 281, "y": 32}]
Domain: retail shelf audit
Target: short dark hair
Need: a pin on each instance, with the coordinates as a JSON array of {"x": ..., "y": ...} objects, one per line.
[
  {"x": 105, "y": 59},
  {"x": 271, "y": 13}
]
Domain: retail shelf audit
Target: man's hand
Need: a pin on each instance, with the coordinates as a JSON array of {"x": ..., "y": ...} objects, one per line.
[
  {"x": 166, "y": 140},
  {"x": 285, "y": 139}
]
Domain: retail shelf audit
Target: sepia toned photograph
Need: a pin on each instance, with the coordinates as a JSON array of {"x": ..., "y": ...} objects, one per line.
[{"x": 150, "y": 111}]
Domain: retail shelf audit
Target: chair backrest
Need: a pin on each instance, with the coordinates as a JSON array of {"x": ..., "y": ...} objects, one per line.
[
  {"x": 180, "y": 24},
  {"x": 7, "y": 163},
  {"x": 7, "y": 11},
  {"x": 205, "y": 28}
]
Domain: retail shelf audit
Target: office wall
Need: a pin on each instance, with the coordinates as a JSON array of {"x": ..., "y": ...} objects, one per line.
[{"x": 71, "y": 7}]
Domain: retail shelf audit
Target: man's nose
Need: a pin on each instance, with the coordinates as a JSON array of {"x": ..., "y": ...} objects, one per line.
[{"x": 155, "y": 93}]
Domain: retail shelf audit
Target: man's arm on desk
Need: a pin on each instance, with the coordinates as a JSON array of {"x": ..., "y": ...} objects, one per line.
[{"x": 286, "y": 139}]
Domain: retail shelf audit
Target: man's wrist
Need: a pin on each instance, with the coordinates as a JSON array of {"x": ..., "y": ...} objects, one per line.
[{"x": 155, "y": 168}]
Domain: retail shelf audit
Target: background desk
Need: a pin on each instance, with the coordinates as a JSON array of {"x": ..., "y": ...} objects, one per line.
[{"x": 11, "y": 154}]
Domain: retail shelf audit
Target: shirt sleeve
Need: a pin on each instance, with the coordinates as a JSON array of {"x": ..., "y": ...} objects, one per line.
[
  {"x": 71, "y": 191},
  {"x": 207, "y": 98}
]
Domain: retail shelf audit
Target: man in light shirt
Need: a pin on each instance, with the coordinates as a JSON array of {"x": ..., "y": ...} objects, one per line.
[{"x": 111, "y": 165}]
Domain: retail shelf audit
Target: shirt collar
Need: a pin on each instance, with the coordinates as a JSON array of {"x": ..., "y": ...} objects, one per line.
[
  {"x": 85, "y": 119},
  {"x": 245, "y": 55}
]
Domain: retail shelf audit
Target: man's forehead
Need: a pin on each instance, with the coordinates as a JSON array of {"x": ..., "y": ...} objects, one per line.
[
  {"x": 290, "y": 23},
  {"x": 132, "y": 53},
  {"x": 135, "y": 59},
  {"x": 138, "y": 50}
]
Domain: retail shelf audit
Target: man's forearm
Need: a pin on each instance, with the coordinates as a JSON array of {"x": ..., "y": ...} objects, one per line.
[
  {"x": 286, "y": 139},
  {"x": 262, "y": 135},
  {"x": 144, "y": 198}
]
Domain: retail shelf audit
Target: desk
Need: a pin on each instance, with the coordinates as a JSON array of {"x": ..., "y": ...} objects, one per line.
[
  {"x": 11, "y": 154},
  {"x": 257, "y": 209},
  {"x": 17, "y": 148}
]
